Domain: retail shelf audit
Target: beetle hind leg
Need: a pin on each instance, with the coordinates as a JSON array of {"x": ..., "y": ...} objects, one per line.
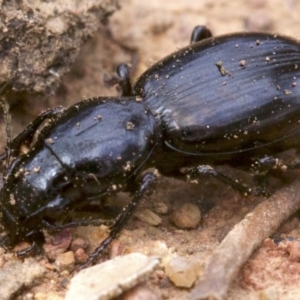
[
  {"x": 204, "y": 170},
  {"x": 200, "y": 33},
  {"x": 280, "y": 168},
  {"x": 121, "y": 79}
]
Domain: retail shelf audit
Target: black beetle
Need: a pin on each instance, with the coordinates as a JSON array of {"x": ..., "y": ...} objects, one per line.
[{"x": 230, "y": 99}]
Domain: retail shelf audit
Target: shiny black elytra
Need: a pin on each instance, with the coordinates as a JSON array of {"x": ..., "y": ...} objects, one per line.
[{"x": 231, "y": 99}]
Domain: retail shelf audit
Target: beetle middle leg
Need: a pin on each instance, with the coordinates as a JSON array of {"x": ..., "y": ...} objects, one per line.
[{"x": 146, "y": 185}]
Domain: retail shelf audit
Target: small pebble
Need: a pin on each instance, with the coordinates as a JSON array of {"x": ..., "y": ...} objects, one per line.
[
  {"x": 269, "y": 243},
  {"x": 116, "y": 249},
  {"x": 49, "y": 267},
  {"x": 28, "y": 296},
  {"x": 2, "y": 251},
  {"x": 15, "y": 275},
  {"x": 64, "y": 282},
  {"x": 293, "y": 249},
  {"x": 48, "y": 296},
  {"x": 64, "y": 273},
  {"x": 65, "y": 261},
  {"x": 182, "y": 272},
  {"x": 148, "y": 217},
  {"x": 79, "y": 243},
  {"x": 140, "y": 292},
  {"x": 258, "y": 3},
  {"x": 161, "y": 208},
  {"x": 111, "y": 278},
  {"x": 270, "y": 293},
  {"x": 57, "y": 244},
  {"x": 80, "y": 256},
  {"x": 187, "y": 216},
  {"x": 160, "y": 249}
]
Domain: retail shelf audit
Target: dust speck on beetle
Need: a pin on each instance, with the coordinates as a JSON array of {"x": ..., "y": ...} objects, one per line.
[
  {"x": 221, "y": 68},
  {"x": 243, "y": 63},
  {"x": 129, "y": 126},
  {"x": 49, "y": 141}
]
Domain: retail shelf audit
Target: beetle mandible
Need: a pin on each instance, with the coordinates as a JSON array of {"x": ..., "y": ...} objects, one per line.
[{"x": 229, "y": 99}]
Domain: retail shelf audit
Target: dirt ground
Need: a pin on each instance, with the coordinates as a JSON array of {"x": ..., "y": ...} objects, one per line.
[{"x": 141, "y": 33}]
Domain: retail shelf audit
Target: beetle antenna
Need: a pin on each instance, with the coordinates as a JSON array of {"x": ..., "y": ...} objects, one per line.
[{"x": 7, "y": 118}]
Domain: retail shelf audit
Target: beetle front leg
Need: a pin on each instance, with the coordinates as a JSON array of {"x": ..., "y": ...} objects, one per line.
[
  {"x": 146, "y": 185},
  {"x": 33, "y": 247},
  {"x": 28, "y": 133},
  {"x": 26, "y": 136}
]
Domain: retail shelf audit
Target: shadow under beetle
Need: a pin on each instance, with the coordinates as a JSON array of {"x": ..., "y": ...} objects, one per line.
[{"x": 230, "y": 99}]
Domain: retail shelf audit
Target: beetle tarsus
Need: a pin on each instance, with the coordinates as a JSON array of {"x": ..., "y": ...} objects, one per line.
[
  {"x": 261, "y": 191},
  {"x": 32, "y": 248}
]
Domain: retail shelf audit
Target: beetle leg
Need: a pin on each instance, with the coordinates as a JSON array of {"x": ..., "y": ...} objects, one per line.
[
  {"x": 124, "y": 84},
  {"x": 57, "y": 227},
  {"x": 7, "y": 118},
  {"x": 204, "y": 170},
  {"x": 265, "y": 165},
  {"x": 122, "y": 80},
  {"x": 200, "y": 33},
  {"x": 28, "y": 250},
  {"x": 27, "y": 134},
  {"x": 261, "y": 168},
  {"x": 146, "y": 184},
  {"x": 268, "y": 163},
  {"x": 294, "y": 165}
]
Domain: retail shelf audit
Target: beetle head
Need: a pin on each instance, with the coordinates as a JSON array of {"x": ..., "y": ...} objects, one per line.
[
  {"x": 17, "y": 225},
  {"x": 26, "y": 200}
]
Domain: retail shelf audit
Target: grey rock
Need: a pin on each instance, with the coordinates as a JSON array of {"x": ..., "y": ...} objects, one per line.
[
  {"x": 16, "y": 275},
  {"x": 111, "y": 278}
]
